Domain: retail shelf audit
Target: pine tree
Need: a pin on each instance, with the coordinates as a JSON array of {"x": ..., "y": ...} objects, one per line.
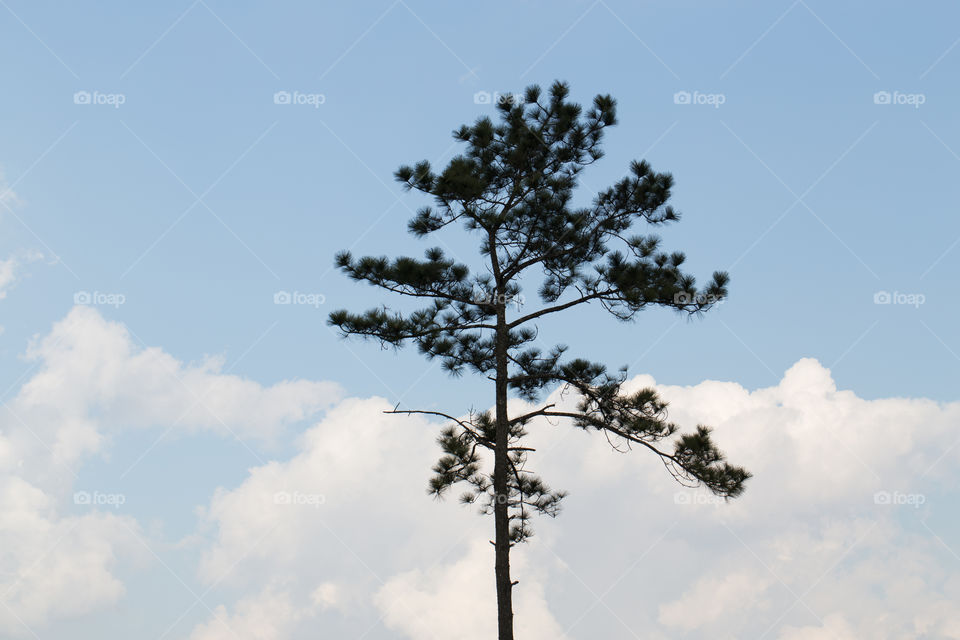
[{"x": 512, "y": 188}]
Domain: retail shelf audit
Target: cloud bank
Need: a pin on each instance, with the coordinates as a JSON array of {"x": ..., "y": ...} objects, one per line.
[
  {"x": 845, "y": 531},
  {"x": 88, "y": 381},
  {"x": 827, "y": 540}
]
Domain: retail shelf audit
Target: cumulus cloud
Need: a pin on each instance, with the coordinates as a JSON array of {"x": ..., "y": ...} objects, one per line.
[
  {"x": 348, "y": 520},
  {"x": 844, "y": 530},
  {"x": 89, "y": 380},
  {"x": 862, "y": 578},
  {"x": 271, "y": 613},
  {"x": 56, "y": 566},
  {"x": 456, "y": 599},
  {"x": 99, "y": 373},
  {"x": 835, "y": 626},
  {"x": 809, "y": 551},
  {"x": 716, "y": 599},
  {"x": 10, "y": 269},
  {"x": 290, "y": 514}
]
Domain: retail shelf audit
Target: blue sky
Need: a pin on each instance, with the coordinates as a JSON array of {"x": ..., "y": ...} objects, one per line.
[
  {"x": 814, "y": 147},
  {"x": 303, "y": 182}
]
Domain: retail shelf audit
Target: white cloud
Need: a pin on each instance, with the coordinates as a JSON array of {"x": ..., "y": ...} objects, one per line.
[
  {"x": 459, "y": 596},
  {"x": 835, "y": 627},
  {"x": 88, "y": 382},
  {"x": 342, "y": 533},
  {"x": 860, "y": 578},
  {"x": 716, "y": 599},
  {"x": 355, "y": 458},
  {"x": 271, "y": 614},
  {"x": 372, "y": 524},
  {"x": 54, "y": 566},
  {"x": 10, "y": 269},
  {"x": 808, "y": 525},
  {"x": 96, "y": 370},
  {"x": 328, "y": 595}
]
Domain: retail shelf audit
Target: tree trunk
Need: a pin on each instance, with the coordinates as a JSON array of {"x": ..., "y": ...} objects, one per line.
[{"x": 501, "y": 469}]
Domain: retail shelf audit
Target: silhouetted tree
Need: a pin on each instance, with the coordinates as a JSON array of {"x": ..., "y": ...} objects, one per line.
[{"x": 512, "y": 187}]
